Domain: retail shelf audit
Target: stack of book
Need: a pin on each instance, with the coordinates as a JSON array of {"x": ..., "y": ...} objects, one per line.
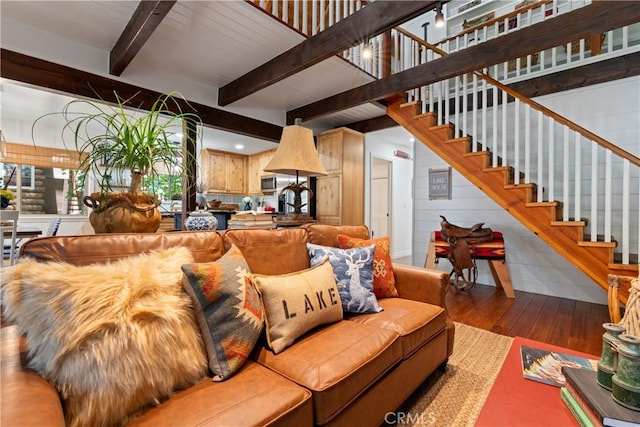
[
  {"x": 251, "y": 219},
  {"x": 591, "y": 404}
]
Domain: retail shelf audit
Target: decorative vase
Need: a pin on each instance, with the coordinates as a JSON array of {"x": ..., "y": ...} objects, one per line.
[
  {"x": 626, "y": 381},
  {"x": 201, "y": 220},
  {"x": 609, "y": 359},
  {"x": 247, "y": 206}
]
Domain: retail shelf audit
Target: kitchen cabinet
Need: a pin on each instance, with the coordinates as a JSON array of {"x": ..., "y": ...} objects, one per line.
[
  {"x": 340, "y": 194},
  {"x": 223, "y": 172},
  {"x": 256, "y": 164}
]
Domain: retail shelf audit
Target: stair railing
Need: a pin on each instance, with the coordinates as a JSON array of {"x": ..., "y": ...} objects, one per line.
[
  {"x": 309, "y": 17},
  {"x": 561, "y": 158}
]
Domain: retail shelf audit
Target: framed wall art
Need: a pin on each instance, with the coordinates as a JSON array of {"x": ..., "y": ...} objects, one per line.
[{"x": 440, "y": 184}]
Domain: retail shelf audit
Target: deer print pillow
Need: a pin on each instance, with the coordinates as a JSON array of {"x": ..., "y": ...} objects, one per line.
[{"x": 353, "y": 271}]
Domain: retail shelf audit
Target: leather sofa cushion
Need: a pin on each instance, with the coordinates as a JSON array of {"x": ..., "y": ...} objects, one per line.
[
  {"x": 99, "y": 248},
  {"x": 271, "y": 251},
  {"x": 337, "y": 363},
  {"x": 327, "y": 235},
  {"x": 253, "y": 396},
  {"x": 416, "y": 322}
]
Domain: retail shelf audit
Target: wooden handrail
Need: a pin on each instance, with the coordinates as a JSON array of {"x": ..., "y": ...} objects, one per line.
[
  {"x": 498, "y": 19},
  {"x": 550, "y": 113}
]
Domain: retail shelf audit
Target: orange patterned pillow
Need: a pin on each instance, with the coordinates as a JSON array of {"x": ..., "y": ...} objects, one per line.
[{"x": 384, "y": 282}]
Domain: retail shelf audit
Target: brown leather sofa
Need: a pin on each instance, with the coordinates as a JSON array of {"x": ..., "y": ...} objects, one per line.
[{"x": 352, "y": 372}]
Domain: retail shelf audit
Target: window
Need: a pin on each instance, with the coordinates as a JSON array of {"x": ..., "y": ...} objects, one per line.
[{"x": 42, "y": 179}]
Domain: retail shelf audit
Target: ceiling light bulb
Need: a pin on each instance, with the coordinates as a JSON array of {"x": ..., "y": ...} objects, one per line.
[
  {"x": 367, "y": 52},
  {"x": 439, "y": 19}
]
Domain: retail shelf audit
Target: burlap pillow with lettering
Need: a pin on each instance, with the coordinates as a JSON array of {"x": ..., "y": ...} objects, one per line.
[{"x": 297, "y": 302}]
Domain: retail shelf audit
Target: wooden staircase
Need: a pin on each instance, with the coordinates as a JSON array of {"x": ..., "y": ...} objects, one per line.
[{"x": 543, "y": 218}]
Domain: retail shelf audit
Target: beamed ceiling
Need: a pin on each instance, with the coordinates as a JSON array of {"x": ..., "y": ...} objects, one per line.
[{"x": 248, "y": 74}]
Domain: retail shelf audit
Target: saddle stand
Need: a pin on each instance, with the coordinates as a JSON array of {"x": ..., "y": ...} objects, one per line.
[{"x": 462, "y": 249}]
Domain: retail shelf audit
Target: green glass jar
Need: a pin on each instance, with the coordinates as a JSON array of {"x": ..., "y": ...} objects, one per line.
[
  {"x": 609, "y": 359},
  {"x": 626, "y": 380}
]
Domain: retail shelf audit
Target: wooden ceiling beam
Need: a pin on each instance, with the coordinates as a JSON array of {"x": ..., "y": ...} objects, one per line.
[
  {"x": 369, "y": 21},
  {"x": 598, "y": 72},
  {"x": 34, "y": 71},
  {"x": 599, "y": 17},
  {"x": 144, "y": 21}
]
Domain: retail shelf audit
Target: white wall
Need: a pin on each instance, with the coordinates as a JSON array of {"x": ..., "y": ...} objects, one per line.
[
  {"x": 611, "y": 110},
  {"x": 381, "y": 144}
]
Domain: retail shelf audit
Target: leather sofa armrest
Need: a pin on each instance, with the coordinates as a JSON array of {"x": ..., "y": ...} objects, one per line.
[
  {"x": 421, "y": 284},
  {"x": 425, "y": 285},
  {"x": 27, "y": 399}
]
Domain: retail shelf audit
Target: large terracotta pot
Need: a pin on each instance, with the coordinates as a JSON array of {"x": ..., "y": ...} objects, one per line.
[{"x": 123, "y": 213}]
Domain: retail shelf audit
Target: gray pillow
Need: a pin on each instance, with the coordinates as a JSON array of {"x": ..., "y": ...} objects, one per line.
[{"x": 353, "y": 271}]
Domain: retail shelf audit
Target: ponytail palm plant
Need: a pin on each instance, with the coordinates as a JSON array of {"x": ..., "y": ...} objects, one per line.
[{"x": 117, "y": 144}]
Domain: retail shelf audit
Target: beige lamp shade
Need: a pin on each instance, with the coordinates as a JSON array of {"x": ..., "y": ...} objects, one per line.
[{"x": 296, "y": 153}]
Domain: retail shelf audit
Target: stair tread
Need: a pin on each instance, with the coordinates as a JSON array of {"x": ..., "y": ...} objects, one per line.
[
  {"x": 476, "y": 153},
  {"x": 514, "y": 186},
  {"x": 408, "y": 104},
  {"x": 569, "y": 223},
  {"x": 542, "y": 204},
  {"x": 585, "y": 243}
]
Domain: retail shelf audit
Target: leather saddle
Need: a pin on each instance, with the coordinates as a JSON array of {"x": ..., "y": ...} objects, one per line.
[{"x": 462, "y": 248}]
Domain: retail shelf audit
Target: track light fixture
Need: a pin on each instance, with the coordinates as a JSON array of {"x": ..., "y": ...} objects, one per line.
[{"x": 439, "y": 16}]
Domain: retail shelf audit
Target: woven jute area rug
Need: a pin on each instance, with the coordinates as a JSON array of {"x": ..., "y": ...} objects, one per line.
[{"x": 455, "y": 397}]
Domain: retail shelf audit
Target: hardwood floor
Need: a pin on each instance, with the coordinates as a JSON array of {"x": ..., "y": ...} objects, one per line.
[{"x": 558, "y": 321}]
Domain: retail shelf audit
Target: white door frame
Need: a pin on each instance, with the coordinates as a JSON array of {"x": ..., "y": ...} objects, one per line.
[{"x": 390, "y": 196}]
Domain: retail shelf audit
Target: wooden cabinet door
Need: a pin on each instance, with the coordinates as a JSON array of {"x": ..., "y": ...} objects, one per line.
[
  {"x": 236, "y": 174},
  {"x": 329, "y": 199},
  {"x": 255, "y": 170},
  {"x": 214, "y": 167},
  {"x": 253, "y": 174},
  {"x": 330, "y": 151}
]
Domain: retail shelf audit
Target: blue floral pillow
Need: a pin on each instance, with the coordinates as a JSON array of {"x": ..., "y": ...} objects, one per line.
[{"x": 353, "y": 271}]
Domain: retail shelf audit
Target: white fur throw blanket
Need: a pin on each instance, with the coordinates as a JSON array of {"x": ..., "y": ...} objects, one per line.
[{"x": 112, "y": 338}]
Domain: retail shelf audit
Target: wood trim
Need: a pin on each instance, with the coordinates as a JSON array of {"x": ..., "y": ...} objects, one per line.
[
  {"x": 370, "y": 21},
  {"x": 596, "y": 18},
  {"x": 144, "y": 21}
]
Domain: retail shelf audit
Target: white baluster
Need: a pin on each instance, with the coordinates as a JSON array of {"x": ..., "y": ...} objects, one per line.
[
  {"x": 593, "y": 220},
  {"x": 527, "y": 143},
  {"x": 305, "y": 17},
  {"x": 565, "y": 174},
  {"x": 607, "y": 196},
  {"x": 551, "y": 165},
  {"x": 577, "y": 177},
  {"x": 626, "y": 193},
  {"x": 494, "y": 148},
  {"x": 540, "y": 177},
  {"x": 505, "y": 106},
  {"x": 474, "y": 110},
  {"x": 516, "y": 146}
]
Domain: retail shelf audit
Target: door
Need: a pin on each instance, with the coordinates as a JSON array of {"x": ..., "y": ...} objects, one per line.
[{"x": 380, "y": 197}]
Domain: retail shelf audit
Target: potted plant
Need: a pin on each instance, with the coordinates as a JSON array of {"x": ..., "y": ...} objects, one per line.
[{"x": 118, "y": 145}]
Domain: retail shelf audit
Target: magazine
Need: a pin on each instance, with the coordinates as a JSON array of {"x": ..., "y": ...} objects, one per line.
[{"x": 546, "y": 366}]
